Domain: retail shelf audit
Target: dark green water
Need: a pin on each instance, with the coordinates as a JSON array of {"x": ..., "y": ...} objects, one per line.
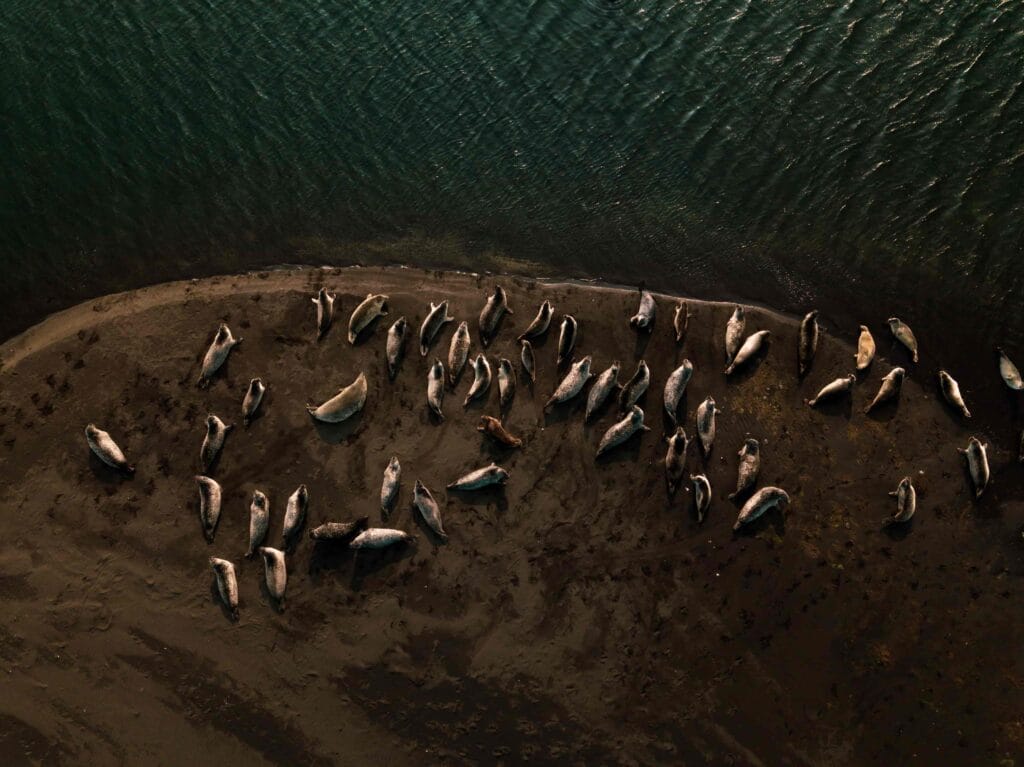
[{"x": 865, "y": 157}]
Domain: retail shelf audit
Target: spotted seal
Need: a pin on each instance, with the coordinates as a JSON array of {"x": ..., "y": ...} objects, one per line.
[
  {"x": 432, "y": 324},
  {"x": 390, "y": 486},
  {"x": 324, "y": 311},
  {"x": 706, "y": 411},
  {"x": 754, "y": 343},
  {"x": 701, "y": 495},
  {"x": 395, "y": 347},
  {"x": 832, "y": 390},
  {"x": 977, "y": 464},
  {"x": 103, "y": 445},
  {"x": 221, "y": 346},
  {"x": 425, "y": 504},
  {"x": 227, "y": 584},
  {"x": 750, "y": 466},
  {"x": 213, "y": 442},
  {"x": 506, "y": 384},
  {"x": 251, "y": 401},
  {"x": 209, "y": 504},
  {"x": 865, "y": 348},
  {"x": 435, "y": 389},
  {"x": 808, "y": 344},
  {"x": 675, "y": 459},
  {"x": 458, "y": 353},
  {"x": 481, "y": 379},
  {"x": 623, "y": 430},
  {"x": 259, "y": 521},
  {"x": 605, "y": 384},
  {"x": 760, "y": 502},
  {"x": 294, "y": 515},
  {"x": 567, "y": 333},
  {"x": 889, "y": 390},
  {"x": 951, "y": 391},
  {"x": 372, "y": 307},
  {"x": 475, "y": 480},
  {"x": 491, "y": 314},
  {"x": 644, "y": 317},
  {"x": 573, "y": 382},
  {"x": 338, "y": 532},
  {"x": 675, "y": 387},
  {"x": 492, "y": 428},
  {"x": 906, "y": 502},
  {"x": 904, "y": 335},
  {"x": 734, "y": 330},
  {"x": 343, "y": 405},
  {"x": 275, "y": 573},
  {"x": 540, "y": 323}
]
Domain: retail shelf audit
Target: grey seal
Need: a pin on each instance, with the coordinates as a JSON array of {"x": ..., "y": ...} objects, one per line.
[
  {"x": 389, "y": 487},
  {"x": 213, "y": 442},
  {"x": 890, "y": 388},
  {"x": 567, "y": 338},
  {"x": 904, "y": 335},
  {"x": 372, "y": 307},
  {"x": 832, "y": 390},
  {"x": 644, "y": 317},
  {"x": 675, "y": 387},
  {"x": 623, "y": 430},
  {"x": 865, "y": 348},
  {"x": 706, "y": 411},
  {"x": 475, "y": 480},
  {"x": 529, "y": 360},
  {"x": 379, "y": 538},
  {"x": 432, "y": 324},
  {"x": 259, "y": 521},
  {"x": 251, "y": 401},
  {"x": 103, "y": 445},
  {"x": 1009, "y": 371},
  {"x": 573, "y": 382},
  {"x": 675, "y": 459},
  {"x": 324, "y": 311},
  {"x": 701, "y": 495},
  {"x": 227, "y": 584},
  {"x": 425, "y": 504},
  {"x": 395, "y": 348},
  {"x": 343, "y": 405},
  {"x": 458, "y": 352},
  {"x": 906, "y": 502},
  {"x": 760, "y": 502},
  {"x": 338, "y": 532},
  {"x": 635, "y": 387},
  {"x": 275, "y": 573},
  {"x": 209, "y": 505},
  {"x": 734, "y": 330},
  {"x": 753, "y": 344},
  {"x": 481, "y": 379},
  {"x": 492, "y": 428},
  {"x": 506, "y": 384},
  {"x": 605, "y": 384},
  {"x": 294, "y": 515},
  {"x": 540, "y": 323},
  {"x": 750, "y": 466},
  {"x": 681, "y": 321},
  {"x": 221, "y": 346},
  {"x": 808, "y": 344},
  {"x": 977, "y": 464},
  {"x": 951, "y": 391},
  {"x": 490, "y": 315},
  {"x": 435, "y": 389}
]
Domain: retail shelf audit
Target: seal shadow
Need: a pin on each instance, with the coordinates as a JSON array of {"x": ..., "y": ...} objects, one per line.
[
  {"x": 483, "y": 497},
  {"x": 328, "y": 556},
  {"x": 885, "y": 411},
  {"x": 336, "y": 433},
  {"x": 560, "y": 412},
  {"x": 750, "y": 367},
  {"x": 215, "y": 596},
  {"x": 495, "y": 451},
  {"x": 670, "y": 425},
  {"x": 276, "y": 605},
  {"x": 626, "y": 452},
  {"x": 369, "y": 562},
  {"x": 435, "y": 539},
  {"x": 773, "y": 518},
  {"x": 838, "y": 406},
  {"x": 643, "y": 340},
  {"x": 366, "y": 332},
  {"x": 897, "y": 531},
  {"x": 108, "y": 475}
]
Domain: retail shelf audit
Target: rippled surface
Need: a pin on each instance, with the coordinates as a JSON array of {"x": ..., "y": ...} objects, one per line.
[{"x": 865, "y": 156}]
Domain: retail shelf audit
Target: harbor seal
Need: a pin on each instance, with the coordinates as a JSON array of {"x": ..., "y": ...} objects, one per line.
[
  {"x": 753, "y": 345},
  {"x": 540, "y": 323},
  {"x": 275, "y": 573},
  {"x": 623, "y": 430},
  {"x": 889, "y": 390},
  {"x": 706, "y": 411},
  {"x": 675, "y": 459},
  {"x": 904, "y": 335},
  {"x": 567, "y": 338},
  {"x": 372, "y": 307},
  {"x": 209, "y": 505},
  {"x": 573, "y": 382},
  {"x": 379, "y": 538},
  {"x": 432, "y": 324},
  {"x": 259, "y": 521},
  {"x": 977, "y": 464},
  {"x": 213, "y": 442},
  {"x": 390, "y": 486},
  {"x": 506, "y": 384},
  {"x": 675, "y": 388},
  {"x": 760, "y": 502},
  {"x": 338, "y": 532},
  {"x": 481, "y": 379},
  {"x": 865, "y": 348},
  {"x": 635, "y": 387},
  {"x": 906, "y": 503},
  {"x": 951, "y": 391},
  {"x": 832, "y": 390},
  {"x": 808, "y": 345},
  {"x": 701, "y": 495},
  {"x": 734, "y": 330},
  {"x": 605, "y": 384},
  {"x": 343, "y": 405},
  {"x": 492, "y": 428},
  {"x": 490, "y": 315},
  {"x": 221, "y": 346},
  {"x": 481, "y": 478},
  {"x": 458, "y": 353},
  {"x": 1009, "y": 372},
  {"x": 529, "y": 361},
  {"x": 294, "y": 516},
  {"x": 101, "y": 443},
  {"x": 435, "y": 389},
  {"x": 227, "y": 584},
  {"x": 681, "y": 321},
  {"x": 324, "y": 311},
  {"x": 251, "y": 401},
  {"x": 425, "y": 504},
  {"x": 644, "y": 317},
  {"x": 750, "y": 466},
  {"x": 395, "y": 348}
]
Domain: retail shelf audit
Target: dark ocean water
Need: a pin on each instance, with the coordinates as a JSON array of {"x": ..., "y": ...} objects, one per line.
[{"x": 866, "y": 157}]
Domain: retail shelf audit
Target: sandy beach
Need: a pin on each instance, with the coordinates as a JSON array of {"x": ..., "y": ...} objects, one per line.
[{"x": 578, "y": 615}]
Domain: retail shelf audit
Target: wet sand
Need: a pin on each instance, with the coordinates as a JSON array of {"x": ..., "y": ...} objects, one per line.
[{"x": 578, "y": 615}]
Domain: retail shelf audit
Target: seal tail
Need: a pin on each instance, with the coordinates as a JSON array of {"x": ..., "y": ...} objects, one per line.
[{"x": 311, "y": 410}]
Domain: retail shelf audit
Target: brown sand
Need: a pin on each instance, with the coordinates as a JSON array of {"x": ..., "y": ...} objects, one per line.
[{"x": 577, "y": 616}]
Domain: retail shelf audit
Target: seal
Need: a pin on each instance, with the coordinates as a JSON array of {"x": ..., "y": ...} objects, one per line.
[
  {"x": 750, "y": 347},
  {"x": 506, "y": 384},
  {"x": 481, "y": 379},
  {"x": 1008, "y": 371},
  {"x": 432, "y": 324},
  {"x": 832, "y": 390},
  {"x": 338, "y": 532},
  {"x": 379, "y": 538},
  {"x": 701, "y": 495},
  {"x": 681, "y": 321},
  {"x": 253, "y": 398},
  {"x": 529, "y": 361},
  {"x": 644, "y": 317},
  {"x": 977, "y": 464},
  {"x": 623, "y": 430},
  {"x": 906, "y": 503},
  {"x": 209, "y": 505},
  {"x": 259, "y": 521},
  {"x": 213, "y": 442},
  {"x": 635, "y": 387},
  {"x": 492, "y": 428},
  {"x": 395, "y": 348},
  {"x": 372, "y": 307},
  {"x": 607, "y": 382},
  {"x": 227, "y": 584},
  {"x": 491, "y": 314},
  {"x": 324, "y": 311},
  {"x": 458, "y": 353},
  {"x": 343, "y": 405},
  {"x": 435, "y": 389},
  {"x": 750, "y": 465},
  {"x": 889, "y": 390},
  {"x": 904, "y": 335},
  {"x": 734, "y": 330},
  {"x": 294, "y": 516},
  {"x": 425, "y": 504},
  {"x": 275, "y": 573},
  {"x": 221, "y": 346},
  {"x": 808, "y": 344},
  {"x": 101, "y": 443},
  {"x": 481, "y": 478},
  {"x": 760, "y": 502},
  {"x": 951, "y": 391},
  {"x": 675, "y": 388},
  {"x": 675, "y": 459},
  {"x": 540, "y": 323},
  {"x": 865, "y": 348},
  {"x": 706, "y": 411},
  {"x": 567, "y": 338},
  {"x": 389, "y": 487},
  {"x": 573, "y": 382}
]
